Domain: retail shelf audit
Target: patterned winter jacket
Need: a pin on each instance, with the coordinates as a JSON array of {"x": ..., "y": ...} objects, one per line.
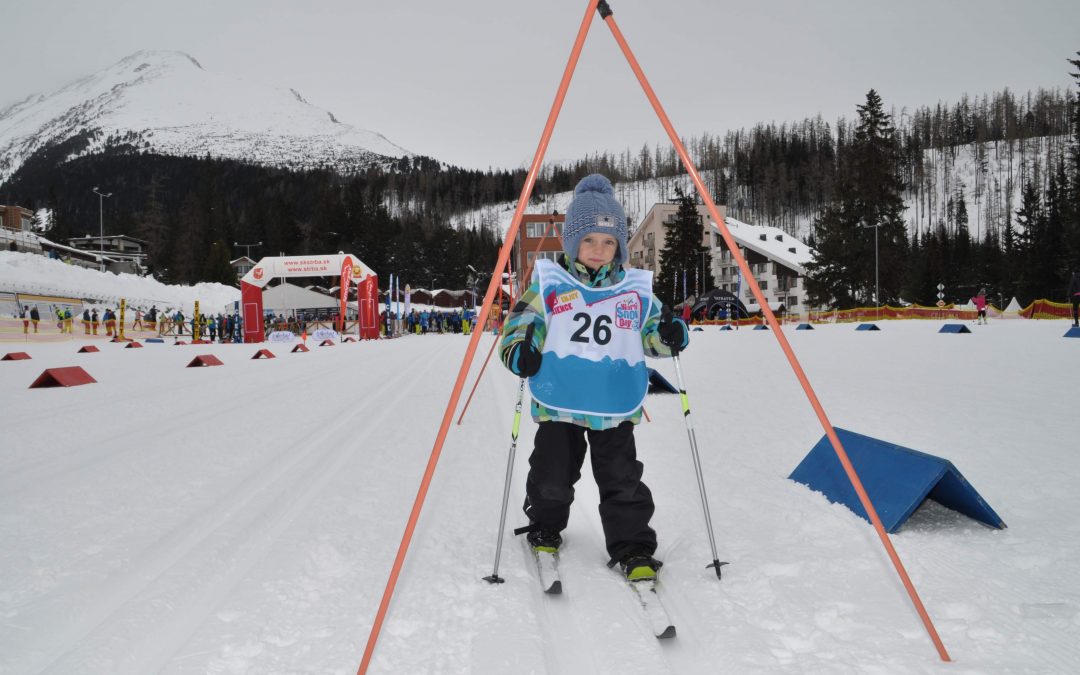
[{"x": 530, "y": 310}]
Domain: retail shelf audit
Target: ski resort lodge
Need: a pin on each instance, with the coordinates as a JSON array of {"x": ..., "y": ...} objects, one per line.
[{"x": 776, "y": 258}]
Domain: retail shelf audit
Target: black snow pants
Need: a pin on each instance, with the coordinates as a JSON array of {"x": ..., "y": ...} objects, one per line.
[{"x": 626, "y": 504}]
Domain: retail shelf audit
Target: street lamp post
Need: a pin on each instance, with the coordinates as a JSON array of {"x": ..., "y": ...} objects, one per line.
[
  {"x": 101, "y": 228},
  {"x": 247, "y": 247},
  {"x": 877, "y": 296}
]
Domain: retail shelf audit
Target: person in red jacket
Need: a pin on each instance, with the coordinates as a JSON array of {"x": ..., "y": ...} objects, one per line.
[{"x": 980, "y": 305}]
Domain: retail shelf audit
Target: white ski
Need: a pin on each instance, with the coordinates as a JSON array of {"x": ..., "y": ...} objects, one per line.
[
  {"x": 647, "y": 596},
  {"x": 547, "y": 564}
]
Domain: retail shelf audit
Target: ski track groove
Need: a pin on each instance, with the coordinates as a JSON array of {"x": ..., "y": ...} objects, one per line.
[
  {"x": 272, "y": 488},
  {"x": 55, "y": 412},
  {"x": 154, "y": 400},
  {"x": 618, "y": 597},
  {"x": 25, "y": 476},
  {"x": 568, "y": 652},
  {"x": 566, "y": 648}
]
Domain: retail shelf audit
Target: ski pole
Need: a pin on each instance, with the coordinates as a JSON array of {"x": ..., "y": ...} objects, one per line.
[
  {"x": 715, "y": 564},
  {"x": 495, "y": 578}
]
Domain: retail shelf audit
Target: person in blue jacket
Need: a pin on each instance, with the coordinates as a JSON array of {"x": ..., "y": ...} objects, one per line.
[{"x": 593, "y": 321}]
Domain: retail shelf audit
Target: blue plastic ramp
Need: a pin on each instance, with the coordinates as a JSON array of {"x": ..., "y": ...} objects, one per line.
[
  {"x": 954, "y": 328},
  {"x": 896, "y": 478},
  {"x": 1073, "y": 332},
  {"x": 804, "y": 326},
  {"x": 867, "y": 326},
  {"x": 761, "y": 326},
  {"x": 658, "y": 384},
  {"x": 726, "y": 327}
]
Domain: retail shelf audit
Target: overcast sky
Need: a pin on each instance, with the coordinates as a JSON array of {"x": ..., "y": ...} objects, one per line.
[{"x": 471, "y": 82}]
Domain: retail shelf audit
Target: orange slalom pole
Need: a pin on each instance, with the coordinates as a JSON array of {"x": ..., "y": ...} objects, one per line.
[
  {"x": 528, "y": 273},
  {"x": 489, "y": 296},
  {"x": 849, "y": 469},
  {"x": 477, "y": 382}
]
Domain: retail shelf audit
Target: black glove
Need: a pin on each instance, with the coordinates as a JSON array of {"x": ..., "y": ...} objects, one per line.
[
  {"x": 673, "y": 332},
  {"x": 523, "y": 359}
]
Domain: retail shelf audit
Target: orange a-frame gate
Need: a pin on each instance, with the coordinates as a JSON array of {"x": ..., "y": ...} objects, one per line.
[
  {"x": 601, "y": 6},
  {"x": 351, "y": 269}
]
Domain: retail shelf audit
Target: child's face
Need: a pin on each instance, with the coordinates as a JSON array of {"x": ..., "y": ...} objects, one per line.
[{"x": 597, "y": 250}]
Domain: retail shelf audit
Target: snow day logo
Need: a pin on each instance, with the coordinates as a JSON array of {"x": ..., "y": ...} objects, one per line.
[{"x": 628, "y": 313}]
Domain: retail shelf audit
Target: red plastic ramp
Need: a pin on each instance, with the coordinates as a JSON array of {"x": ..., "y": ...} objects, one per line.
[
  {"x": 299, "y": 348},
  {"x": 87, "y": 349},
  {"x": 205, "y": 360},
  {"x": 326, "y": 343},
  {"x": 264, "y": 354},
  {"x": 15, "y": 356},
  {"x": 71, "y": 376},
  {"x": 133, "y": 345}
]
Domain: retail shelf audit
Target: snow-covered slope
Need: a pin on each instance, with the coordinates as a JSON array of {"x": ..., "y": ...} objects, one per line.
[
  {"x": 30, "y": 273},
  {"x": 243, "y": 519},
  {"x": 990, "y": 175},
  {"x": 177, "y": 107}
]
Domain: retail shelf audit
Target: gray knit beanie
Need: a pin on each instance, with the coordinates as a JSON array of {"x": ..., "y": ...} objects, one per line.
[{"x": 594, "y": 209}]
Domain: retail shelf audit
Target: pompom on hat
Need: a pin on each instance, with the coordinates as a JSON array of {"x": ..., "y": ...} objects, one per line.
[{"x": 594, "y": 209}]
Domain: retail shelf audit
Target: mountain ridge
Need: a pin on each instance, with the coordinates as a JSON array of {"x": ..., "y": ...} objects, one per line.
[{"x": 167, "y": 102}]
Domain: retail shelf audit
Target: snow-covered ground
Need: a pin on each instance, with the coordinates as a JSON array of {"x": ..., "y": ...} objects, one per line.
[
  {"x": 243, "y": 518},
  {"x": 36, "y": 274}
]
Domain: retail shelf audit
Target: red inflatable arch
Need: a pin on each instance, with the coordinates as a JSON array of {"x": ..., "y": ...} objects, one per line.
[{"x": 351, "y": 269}]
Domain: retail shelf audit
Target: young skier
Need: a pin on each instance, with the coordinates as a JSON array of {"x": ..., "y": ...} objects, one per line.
[
  {"x": 980, "y": 305},
  {"x": 593, "y": 322}
]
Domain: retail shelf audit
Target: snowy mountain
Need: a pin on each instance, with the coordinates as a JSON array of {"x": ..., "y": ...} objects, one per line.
[{"x": 166, "y": 102}]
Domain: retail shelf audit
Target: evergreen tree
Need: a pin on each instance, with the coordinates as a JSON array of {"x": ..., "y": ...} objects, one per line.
[
  {"x": 868, "y": 205},
  {"x": 962, "y": 262},
  {"x": 189, "y": 245},
  {"x": 152, "y": 226},
  {"x": 217, "y": 268},
  {"x": 1071, "y": 215},
  {"x": 682, "y": 252},
  {"x": 1028, "y": 242}
]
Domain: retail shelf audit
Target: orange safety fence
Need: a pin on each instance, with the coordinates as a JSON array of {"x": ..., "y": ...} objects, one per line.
[{"x": 1039, "y": 309}]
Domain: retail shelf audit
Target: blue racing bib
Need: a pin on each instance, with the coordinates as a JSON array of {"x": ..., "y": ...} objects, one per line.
[{"x": 593, "y": 363}]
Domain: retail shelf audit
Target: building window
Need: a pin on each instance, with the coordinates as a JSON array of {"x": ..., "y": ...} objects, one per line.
[
  {"x": 764, "y": 285},
  {"x": 27, "y": 223},
  {"x": 792, "y": 300}
]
